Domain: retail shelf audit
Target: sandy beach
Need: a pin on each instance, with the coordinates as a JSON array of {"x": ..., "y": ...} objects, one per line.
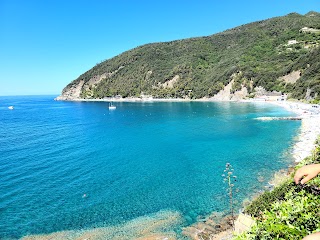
[{"x": 310, "y": 127}]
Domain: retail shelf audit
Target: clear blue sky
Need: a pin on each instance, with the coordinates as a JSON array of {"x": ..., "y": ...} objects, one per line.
[{"x": 45, "y": 44}]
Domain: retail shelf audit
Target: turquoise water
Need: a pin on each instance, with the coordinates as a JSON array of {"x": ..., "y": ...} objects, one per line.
[{"x": 77, "y": 165}]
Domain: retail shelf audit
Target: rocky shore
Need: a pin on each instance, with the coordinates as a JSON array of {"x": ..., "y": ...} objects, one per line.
[{"x": 210, "y": 228}]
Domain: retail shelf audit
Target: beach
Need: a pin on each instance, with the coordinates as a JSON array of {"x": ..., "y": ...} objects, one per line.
[{"x": 309, "y": 130}]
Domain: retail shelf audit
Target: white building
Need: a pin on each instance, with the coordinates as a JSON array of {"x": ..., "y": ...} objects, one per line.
[{"x": 291, "y": 42}]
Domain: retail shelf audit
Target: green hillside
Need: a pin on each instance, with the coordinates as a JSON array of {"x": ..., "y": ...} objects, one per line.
[{"x": 255, "y": 54}]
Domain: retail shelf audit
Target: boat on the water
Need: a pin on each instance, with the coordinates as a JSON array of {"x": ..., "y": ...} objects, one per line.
[
  {"x": 112, "y": 107},
  {"x": 11, "y": 107}
]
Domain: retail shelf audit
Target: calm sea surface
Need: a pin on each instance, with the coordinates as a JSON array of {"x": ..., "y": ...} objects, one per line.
[{"x": 77, "y": 165}]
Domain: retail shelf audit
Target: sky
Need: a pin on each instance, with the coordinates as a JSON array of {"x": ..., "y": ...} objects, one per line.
[{"x": 45, "y": 44}]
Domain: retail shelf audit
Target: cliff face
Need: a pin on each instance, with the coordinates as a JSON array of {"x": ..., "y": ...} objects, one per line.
[
  {"x": 279, "y": 54},
  {"x": 80, "y": 89},
  {"x": 72, "y": 92}
]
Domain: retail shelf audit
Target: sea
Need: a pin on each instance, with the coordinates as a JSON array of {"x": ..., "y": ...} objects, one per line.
[{"x": 143, "y": 168}]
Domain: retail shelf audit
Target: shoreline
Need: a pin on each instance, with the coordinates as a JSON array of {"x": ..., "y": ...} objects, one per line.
[
  {"x": 130, "y": 99},
  {"x": 309, "y": 129}
]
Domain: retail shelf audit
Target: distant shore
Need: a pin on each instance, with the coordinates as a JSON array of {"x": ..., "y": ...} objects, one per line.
[{"x": 129, "y": 99}]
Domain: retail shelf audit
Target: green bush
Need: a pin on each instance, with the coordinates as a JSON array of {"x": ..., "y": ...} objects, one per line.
[
  {"x": 265, "y": 200},
  {"x": 294, "y": 217}
]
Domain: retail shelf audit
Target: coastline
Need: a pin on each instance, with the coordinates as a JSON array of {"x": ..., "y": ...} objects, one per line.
[
  {"x": 303, "y": 146},
  {"x": 130, "y": 99}
]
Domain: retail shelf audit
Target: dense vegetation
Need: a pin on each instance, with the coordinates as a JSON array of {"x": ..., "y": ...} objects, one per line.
[
  {"x": 258, "y": 54},
  {"x": 289, "y": 211}
]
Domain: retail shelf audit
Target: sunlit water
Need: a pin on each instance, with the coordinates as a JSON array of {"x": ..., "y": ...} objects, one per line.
[{"x": 77, "y": 165}]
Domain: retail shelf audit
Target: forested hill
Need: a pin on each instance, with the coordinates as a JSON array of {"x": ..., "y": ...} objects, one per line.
[{"x": 280, "y": 54}]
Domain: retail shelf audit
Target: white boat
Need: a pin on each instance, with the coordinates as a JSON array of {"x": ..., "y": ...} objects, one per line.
[
  {"x": 112, "y": 107},
  {"x": 10, "y": 107}
]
